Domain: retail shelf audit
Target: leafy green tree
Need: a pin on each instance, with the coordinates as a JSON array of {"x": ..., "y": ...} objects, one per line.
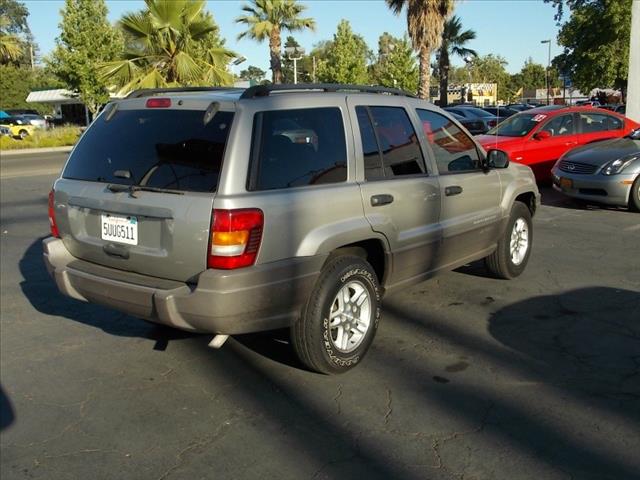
[
  {"x": 346, "y": 58},
  {"x": 266, "y": 19},
  {"x": 396, "y": 64},
  {"x": 454, "y": 40},
  {"x": 487, "y": 69},
  {"x": 596, "y": 43},
  {"x": 15, "y": 30},
  {"x": 17, "y": 82},
  {"x": 252, "y": 73},
  {"x": 425, "y": 24},
  {"x": 86, "y": 40},
  {"x": 171, "y": 43}
]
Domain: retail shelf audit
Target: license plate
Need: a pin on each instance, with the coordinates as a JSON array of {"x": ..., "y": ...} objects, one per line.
[
  {"x": 566, "y": 183},
  {"x": 116, "y": 228}
]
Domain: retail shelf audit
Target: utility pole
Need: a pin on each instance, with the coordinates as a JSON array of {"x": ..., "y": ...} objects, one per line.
[
  {"x": 33, "y": 65},
  {"x": 633, "y": 83},
  {"x": 547, "y": 71},
  {"x": 314, "y": 69}
]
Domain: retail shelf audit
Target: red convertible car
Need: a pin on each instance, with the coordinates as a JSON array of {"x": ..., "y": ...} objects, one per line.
[{"x": 538, "y": 137}]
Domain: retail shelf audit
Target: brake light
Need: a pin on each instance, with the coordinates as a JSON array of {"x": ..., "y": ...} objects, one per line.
[
  {"x": 52, "y": 215},
  {"x": 158, "y": 103},
  {"x": 235, "y": 238}
]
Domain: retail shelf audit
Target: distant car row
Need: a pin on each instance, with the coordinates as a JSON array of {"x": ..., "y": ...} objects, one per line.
[
  {"x": 21, "y": 126},
  {"x": 558, "y": 144}
]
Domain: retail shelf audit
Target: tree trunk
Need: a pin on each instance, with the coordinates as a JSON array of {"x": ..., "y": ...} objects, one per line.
[
  {"x": 443, "y": 68},
  {"x": 274, "y": 50},
  {"x": 425, "y": 73}
]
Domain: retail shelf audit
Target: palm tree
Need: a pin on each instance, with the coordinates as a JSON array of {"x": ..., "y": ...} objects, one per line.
[
  {"x": 267, "y": 19},
  {"x": 453, "y": 41},
  {"x": 171, "y": 43},
  {"x": 425, "y": 23},
  {"x": 10, "y": 46}
]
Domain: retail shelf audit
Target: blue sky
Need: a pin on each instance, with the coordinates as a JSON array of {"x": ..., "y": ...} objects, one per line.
[{"x": 511, "y": 28}]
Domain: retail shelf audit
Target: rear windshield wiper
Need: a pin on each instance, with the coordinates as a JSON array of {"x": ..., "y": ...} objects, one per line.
[{"x": 118, "y": 187}]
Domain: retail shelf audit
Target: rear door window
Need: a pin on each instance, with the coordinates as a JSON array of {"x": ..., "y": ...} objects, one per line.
[
  {"x": 397, "y": 148},
  {"x": 594, "y": 122},
  {"x": 169, "y": 149},
  {"x": 295, "y": 148}
]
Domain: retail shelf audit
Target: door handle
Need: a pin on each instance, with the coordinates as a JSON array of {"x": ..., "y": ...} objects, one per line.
[
  {"x": 378, "y": 200},
  {"x": 454, "y": 190}
]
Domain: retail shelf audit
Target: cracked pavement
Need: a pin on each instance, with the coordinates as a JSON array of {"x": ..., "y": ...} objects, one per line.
[{"x": 468, "y": 378}]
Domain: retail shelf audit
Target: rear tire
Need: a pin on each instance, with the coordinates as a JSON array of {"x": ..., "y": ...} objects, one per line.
[
  {"x": 340, "y": 320},
  {"x": 634, "y": 196},
  {"x": 514, "y": 248},
  {"x": 23, "y": 134}
]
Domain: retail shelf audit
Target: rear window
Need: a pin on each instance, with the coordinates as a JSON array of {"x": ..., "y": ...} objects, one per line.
[{"x": 171, "y": 149}]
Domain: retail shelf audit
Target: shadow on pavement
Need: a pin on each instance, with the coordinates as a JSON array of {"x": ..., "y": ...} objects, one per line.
[
  {"x": 583, "y": 346},
  {"x": 7, "y": 415},
  {"x": 42, "y": 293}
]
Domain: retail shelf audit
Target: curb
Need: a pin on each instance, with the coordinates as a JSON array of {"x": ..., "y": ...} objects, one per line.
[{"x": 26, "y": 151}]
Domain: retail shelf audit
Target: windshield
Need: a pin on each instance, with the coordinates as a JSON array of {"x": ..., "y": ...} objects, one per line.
[
  {"x": 168, "y": 149},
  {"x": 518, "y": 125}
]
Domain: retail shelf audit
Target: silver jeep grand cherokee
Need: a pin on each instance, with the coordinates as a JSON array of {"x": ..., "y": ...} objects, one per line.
[{"x": 232, "y": 211}]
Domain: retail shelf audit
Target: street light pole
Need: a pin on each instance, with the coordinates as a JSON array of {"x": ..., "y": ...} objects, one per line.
[
  {"x": 295, "y": 51},
  {"x": 547, "y": 71}
]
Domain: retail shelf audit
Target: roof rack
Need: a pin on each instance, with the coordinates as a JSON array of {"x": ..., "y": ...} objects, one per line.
[
  {"x": 147, "y": 92},
  {"x": 265, "y": 90}
]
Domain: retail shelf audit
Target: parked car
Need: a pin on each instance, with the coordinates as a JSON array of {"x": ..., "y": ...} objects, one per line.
[
  {"x": 588, "y": 103},
  {"x": 15, "y": 112},
  {"x": 474, "y": 113},
  {"x": 18, "y": 127},
  {"x": 606, "y": 172},
  {"x": 521, "y": 107},
  {"x": 194, "y": 208},
  {"x": 501, "y": 112},
  {"x": 37, "y": 121},
  {"x": 539, "y": 137},
  {"x": 474, "y": 126}
]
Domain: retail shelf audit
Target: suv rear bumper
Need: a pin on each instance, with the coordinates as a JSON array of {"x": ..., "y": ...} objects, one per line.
[{"x": 258, "y": 298}]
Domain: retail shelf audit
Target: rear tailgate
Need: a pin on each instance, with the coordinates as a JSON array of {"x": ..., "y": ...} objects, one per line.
[{"x": 102, "y": 215}]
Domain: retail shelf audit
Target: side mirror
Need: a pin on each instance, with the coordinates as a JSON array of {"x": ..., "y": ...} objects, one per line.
[
  {"x": 542, "y": 135},
  {"x": 497, "y": 159}
]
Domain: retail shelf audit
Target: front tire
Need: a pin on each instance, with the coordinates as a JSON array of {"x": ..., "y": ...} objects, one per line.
[
  {"x": 514, "y": 248},
  {"x": 23, "y": 134},
  {"x": 341, "y": 318},
  {"x": 634, "y": 196}
]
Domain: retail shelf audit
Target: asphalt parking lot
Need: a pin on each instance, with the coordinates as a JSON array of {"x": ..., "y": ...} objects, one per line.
[{"x": 469, "y": 377}]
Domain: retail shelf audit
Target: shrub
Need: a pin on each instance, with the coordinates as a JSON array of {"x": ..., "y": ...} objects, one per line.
[{"x": 56, "y": 137}]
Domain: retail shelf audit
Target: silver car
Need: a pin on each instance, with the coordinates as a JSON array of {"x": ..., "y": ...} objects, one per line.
[
  {"x": 605, "y": 172},
  {"x": 230, "y": 211},
  {"x": 37, "y": 121}
]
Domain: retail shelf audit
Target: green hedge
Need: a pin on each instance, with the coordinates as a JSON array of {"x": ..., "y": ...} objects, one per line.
[{"x": 56, "y": 137}]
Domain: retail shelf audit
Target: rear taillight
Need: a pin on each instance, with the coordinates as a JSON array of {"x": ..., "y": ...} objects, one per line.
[
  {"x": 492, "y": 123},
  {"x": 235, "y": 238},
  {"x": 52, "y": 215}
]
